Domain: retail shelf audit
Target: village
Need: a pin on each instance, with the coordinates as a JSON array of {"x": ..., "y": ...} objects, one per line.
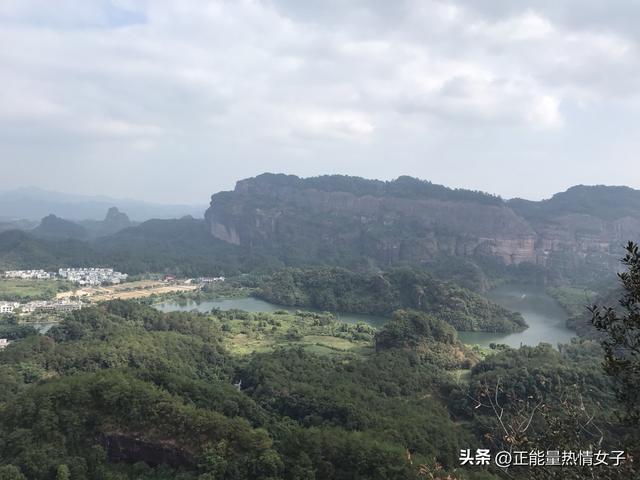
[
  {"x": 94, "y": 285},
  {"x": 81, "y": 276}
]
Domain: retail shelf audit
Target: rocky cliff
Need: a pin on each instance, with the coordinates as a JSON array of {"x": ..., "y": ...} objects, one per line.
[
  {"x": 410, "y": 220},
  {"x": 114, "y": 221}
]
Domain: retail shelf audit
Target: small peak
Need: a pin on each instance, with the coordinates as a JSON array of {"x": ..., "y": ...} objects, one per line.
[{"x": 115, "y": 215}]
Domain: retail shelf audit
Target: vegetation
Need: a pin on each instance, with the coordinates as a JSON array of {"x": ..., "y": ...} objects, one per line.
[
  {"x": 573, "y": 300},
  {"x": 183, "y": 247},
  {"x": 124, "y": 391},
  {"x": 337, "y": 289},
  {"x": 245, "y": 332},
  {"x": 235, "y": 287},
  {"x": 621, "y": 342},
  {"x": 403, "y": 187},
  {"x": 539, "y": 398},
  {"x": 18, "y": 290},
  {"x": 605, "y": 202},
  {"x": 12, "y": 330}
]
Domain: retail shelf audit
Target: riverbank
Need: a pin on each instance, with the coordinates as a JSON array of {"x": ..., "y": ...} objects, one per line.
[
  {"x": 546, "y": 318},
  {"x": 254, "y": 305}
]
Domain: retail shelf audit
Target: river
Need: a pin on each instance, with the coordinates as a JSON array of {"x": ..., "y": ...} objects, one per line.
[
  {"x": 251, "y": 304},
  {"x": 547, "y": 320},
  {"x": 545, "y": 317}
]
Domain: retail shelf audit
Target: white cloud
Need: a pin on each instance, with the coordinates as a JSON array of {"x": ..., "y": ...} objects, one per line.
[
  {"x": 526, "y": 26},
  {"x": 264, "y": 78},
  {"x": 545, "y": 112},
  {"x": 333, "y": 123}
]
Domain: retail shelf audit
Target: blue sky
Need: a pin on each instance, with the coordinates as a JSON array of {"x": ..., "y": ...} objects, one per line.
[{"x": 173, "y": 100}]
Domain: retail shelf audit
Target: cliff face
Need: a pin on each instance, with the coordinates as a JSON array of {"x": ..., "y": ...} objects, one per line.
[
  {"x": 113, "y": 222},
  {"x": 406, "y": 221}
]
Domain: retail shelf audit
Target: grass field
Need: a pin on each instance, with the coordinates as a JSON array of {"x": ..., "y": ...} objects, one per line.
[
  {"x": 262, "y": 332},
  {"x": 27, "y": 290}
]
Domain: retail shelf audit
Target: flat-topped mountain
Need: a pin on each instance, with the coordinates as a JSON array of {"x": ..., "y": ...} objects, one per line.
[{"x": 414, "y": 221}]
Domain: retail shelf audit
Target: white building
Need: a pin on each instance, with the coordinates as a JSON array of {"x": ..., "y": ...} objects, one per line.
[
  {"x": 211, "y": 279},
  {"x": 29, "y": 274},
  {"x": 57, "y": 306},
  {"x": 8, "y": 307},
  {"x": 92, "y": 276},
  {"x": 3, "y": 343}
]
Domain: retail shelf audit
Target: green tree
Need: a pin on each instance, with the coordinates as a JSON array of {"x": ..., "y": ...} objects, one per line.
[
  {"x": 621, "y": 342},
  {"x": 63, "y": 473},
  {"x": 11, "y": 472}
]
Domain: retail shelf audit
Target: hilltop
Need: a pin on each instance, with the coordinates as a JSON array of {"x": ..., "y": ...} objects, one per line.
[{"x": 338, "y": 219}]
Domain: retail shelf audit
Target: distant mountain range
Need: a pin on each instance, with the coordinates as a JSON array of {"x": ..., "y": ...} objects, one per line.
[
  {"x": 54, "y": 227},
  {"x": 273, "y": 220},
  {"x": 32, "y": 203}
]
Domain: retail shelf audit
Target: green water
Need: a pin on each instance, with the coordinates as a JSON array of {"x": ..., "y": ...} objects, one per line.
[
  {"x": 251, "y": 304},
  {"x": 545, "y": 317}
]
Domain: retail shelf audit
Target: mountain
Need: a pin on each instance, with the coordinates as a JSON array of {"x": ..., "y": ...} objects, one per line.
[
  {"x": 55, "y": 227},
  {"x": 113, "y": 222},
  {"x": 412, "y": 221},
  {"x": 117, "y": 220},
  {"x": 33, "y": 203},
  {"x": 179, "y": 246},
  {"x": 600, "y": 201},
  {"x": 22, "y": 250},
  {"x": 17, "y": 225}
]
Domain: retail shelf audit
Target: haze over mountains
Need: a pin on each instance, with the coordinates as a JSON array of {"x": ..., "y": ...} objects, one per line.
[
  {"x": 32, "y": 203},
  {"x": 276, "y": 219}
]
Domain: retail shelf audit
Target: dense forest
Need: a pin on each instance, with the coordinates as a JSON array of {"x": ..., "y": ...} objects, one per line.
[
  {"x": 123, "y": 391},
  {"x": 117, "y": 390},
  {"x": 402, "y": 187},
  {"x": 337, "y": 289},
  {"x": 181, "y": 247}
]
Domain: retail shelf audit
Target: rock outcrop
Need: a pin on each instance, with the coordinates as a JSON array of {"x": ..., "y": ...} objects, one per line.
[
  {"x": 410, "y": 220},
  {"x": 114, "y": 222}
]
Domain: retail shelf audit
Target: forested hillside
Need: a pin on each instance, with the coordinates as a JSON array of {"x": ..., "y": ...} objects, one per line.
[
  {"x": 121, "y": 391},
  {"x": 180, "y": 246},
  {"x": 337, "y": 289},
  {"x": 122, "y": 384}
]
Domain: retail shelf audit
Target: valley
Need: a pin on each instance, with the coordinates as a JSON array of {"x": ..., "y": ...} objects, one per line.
[
  {"x": 319, "y": 240},
  {"x": 546, "y": 320},
  {"x": 304, "y": 323}
]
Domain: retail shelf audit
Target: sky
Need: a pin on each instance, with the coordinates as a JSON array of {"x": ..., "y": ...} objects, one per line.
[{"x": 173, "y": 100}]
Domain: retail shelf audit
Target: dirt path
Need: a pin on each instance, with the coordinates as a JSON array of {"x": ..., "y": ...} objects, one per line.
[{"x": 128, "y": 290}]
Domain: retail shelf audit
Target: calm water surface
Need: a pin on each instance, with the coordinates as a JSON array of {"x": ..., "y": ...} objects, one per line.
[
  {"x": 251, "y": 304},
  {"x": 545, "y": 317}
]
